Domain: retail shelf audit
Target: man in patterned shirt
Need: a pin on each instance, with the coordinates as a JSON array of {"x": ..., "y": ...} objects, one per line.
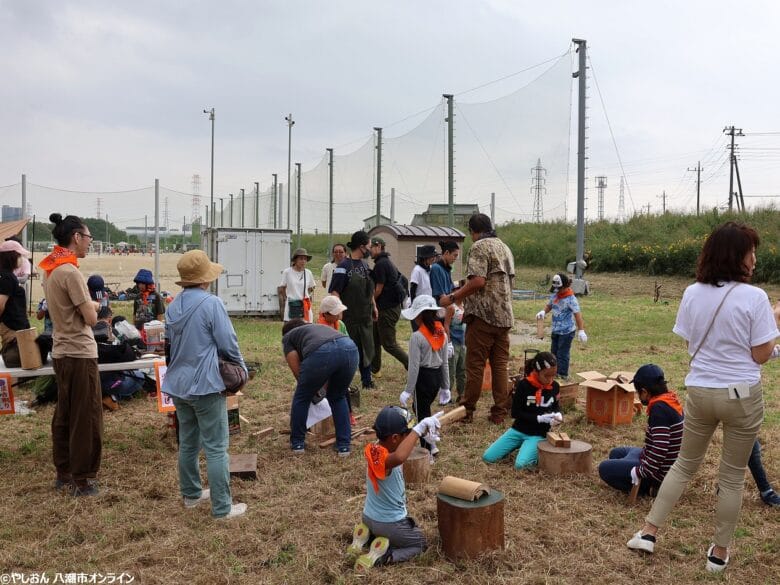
[{"x": 487, "y": 305}]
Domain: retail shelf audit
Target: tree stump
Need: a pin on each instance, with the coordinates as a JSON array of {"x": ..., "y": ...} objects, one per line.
[
  {"x": 417, "y": 467},
  {"x": 325, "y": 429},
  {"x": 469, "y": 529},
  {"x": 565, "y": 460}
]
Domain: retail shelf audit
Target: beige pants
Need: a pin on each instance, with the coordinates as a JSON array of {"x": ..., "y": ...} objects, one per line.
[{"x": 705, "y": 409}]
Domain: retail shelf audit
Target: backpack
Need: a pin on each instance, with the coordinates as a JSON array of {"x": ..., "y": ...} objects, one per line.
[{"x": 403, "y": 287}]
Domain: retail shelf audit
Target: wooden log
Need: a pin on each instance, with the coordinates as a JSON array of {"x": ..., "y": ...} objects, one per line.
[
  {"x": 576, "y": 458},
  {"x": 558, "y": 439},
  {"x": 453, "y": 415},
  {"x": 263, "y": 432},
  {"x": 469, "y": 529},
  {"x": 332, "y": 440},
  {"x": 633, "y": 494},
  {"x": 417, "y": 467},
  {"x": 566, "y": 441},
  {"x": 243, "y": 465},
  {"x": 324, "y": 429}
]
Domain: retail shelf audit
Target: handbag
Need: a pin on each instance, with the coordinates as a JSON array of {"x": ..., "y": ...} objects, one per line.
[{"x": 234, "y": 376}]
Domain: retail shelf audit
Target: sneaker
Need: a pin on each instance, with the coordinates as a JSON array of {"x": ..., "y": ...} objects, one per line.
[
  {"x": 378, "y": 550},
  {"x": 343, "y": 451},
  {"x": 109, "y": 403},
  {"x": 298, "y": 450},
  {"x": 434, "y": 450},
  {"x": 715, "y": 564},
  {"x": 235, "y": 511},
  {"x": 205, "y": 496},
  {"x": 770, "y": 498},
  {"x": 86, "y": 488},
  {"x": 63, "y": 482},
  {"x": 368, "y": 385},
  {"x": 360, "y": 536},
  {"x": 643, "y": 542}
]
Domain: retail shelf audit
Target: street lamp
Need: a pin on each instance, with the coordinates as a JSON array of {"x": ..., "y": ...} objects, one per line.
[
  {"x": 290, "y": 123},
  {"x": 211, "y": 206}
]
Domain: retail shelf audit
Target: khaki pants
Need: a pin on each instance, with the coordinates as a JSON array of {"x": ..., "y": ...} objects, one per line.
[
  {"x": 77, "y": 425},
  {"x": 487, "y": 342},
  {"x": 705, "y": 409}
]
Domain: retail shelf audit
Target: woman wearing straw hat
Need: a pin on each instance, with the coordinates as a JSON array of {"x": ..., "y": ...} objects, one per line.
[
  {"x": 296, "y": 288},
  {"x": 199, "y": 331}
]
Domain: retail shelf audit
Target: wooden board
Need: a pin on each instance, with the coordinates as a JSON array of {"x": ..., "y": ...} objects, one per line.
[
  {"x": 558, "y": 439},
  {"x": 243, "y": 465}
]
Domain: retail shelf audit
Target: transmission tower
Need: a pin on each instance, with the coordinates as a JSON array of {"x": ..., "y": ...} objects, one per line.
[
  {"x": 195, "y": 213},
  {"x": 621, "y": 203},
  {"x": 99, "y": 208},
  {"x": 601, "y": 184},
  {"x": 538, "y": 180}
]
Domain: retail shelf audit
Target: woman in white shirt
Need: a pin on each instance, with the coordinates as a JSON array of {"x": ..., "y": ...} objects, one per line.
[
  {"x": 296, "y": 288},
  {"x": 337, "y": 254},
  {"x": 730, "y": 331}
]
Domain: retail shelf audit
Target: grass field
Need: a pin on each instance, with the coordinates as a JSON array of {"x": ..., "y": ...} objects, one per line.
[{"x": 301, "y": 511}]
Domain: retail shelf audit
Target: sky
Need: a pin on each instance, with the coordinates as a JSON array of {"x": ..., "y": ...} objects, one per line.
[{"x": 106, "y": 96}]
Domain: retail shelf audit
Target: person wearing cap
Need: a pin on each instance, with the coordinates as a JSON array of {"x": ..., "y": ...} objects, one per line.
[
  {"x": 319, "y": 357},
  {"x": 648, "y": 465},
  {"x": 77, "y": 424},
  {"x": 388, "y": 296},
  {"x": 148, "y": 305},
  {"x": 24, "y": 270},
  {"x": 397, "y": 538},
  {"x": 296, "y": 288},
  {"x": 331, "y": 310},
  {"x": 337, "y": 254},
  {"x": 730, "y": 332},
  {"x": 487, "y": 307},
  {"x": 536, "y": 411},
  {"x": 97, "y": 290},
  {"x": 352, "y": 283},
  {"x": 420, "y": 280},
  {"x": 566, "y": 320},
  {"x": 198, "y": 333},
  {"x": 428, "y": 373}
]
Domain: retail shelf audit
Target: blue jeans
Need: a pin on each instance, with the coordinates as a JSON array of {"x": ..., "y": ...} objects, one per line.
[
  {"x": 333, "y": 363},
  {"x": 757, "y": 469},
  {"x": 616, "y": 471},
  {"x": 526, "y": 445},
  {"x": 561, "y": 349},
  {"x": 203, "y": 422}
]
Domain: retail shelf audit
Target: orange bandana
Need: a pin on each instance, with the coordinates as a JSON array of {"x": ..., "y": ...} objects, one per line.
[
  {"x": 562, "y": 294},
  {"x": 669, "y": 398},
  {"x": 321, "y": 321},
  {"x": 437, "y": 338},
  {"x": 533, "y": 379},
  {"x": 58, "y": 257},
  {"x": 376, "y": 455}
]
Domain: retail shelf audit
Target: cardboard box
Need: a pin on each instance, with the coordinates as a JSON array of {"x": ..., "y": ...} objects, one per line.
[
  {"x": 568, "y": 395},
  {"x": 609, "y": 399}
]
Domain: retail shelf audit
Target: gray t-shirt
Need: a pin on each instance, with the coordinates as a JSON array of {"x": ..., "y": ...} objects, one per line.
[{"x": 307, "y": 339}]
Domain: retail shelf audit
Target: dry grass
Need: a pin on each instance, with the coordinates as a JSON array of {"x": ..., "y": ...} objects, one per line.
[{"x": 301, "y": 511}]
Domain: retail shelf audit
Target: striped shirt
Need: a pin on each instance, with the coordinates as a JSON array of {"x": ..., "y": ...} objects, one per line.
[{"x": 662, "y": 442}]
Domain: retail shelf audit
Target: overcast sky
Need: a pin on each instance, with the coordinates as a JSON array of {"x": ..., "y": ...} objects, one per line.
[{"x": 107, "y": 96}]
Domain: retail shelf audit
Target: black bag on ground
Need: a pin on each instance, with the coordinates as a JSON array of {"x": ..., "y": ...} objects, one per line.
[{"x": 108, "y": 353}]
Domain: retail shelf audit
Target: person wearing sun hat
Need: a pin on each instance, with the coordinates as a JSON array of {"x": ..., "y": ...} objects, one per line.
[
  {"x": 296, "y": 288},
  {"x": 199, "y": 332}
]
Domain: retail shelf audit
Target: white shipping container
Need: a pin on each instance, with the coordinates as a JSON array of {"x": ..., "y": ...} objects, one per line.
[{"x": 254, "y": 260}]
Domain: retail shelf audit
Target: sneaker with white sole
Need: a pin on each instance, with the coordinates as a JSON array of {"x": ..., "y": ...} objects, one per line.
[
  {"x": 377, "y": 554},
  {"x": 715, "y": 564},
  {"x": 645, "y": 543},
  {"x": 235, "y": 510},
  {"x": 360, "y": 536},
  {"x": 205, "y": 496}
]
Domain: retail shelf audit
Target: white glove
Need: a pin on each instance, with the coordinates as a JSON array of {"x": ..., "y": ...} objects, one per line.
[
  {"x": 582, "y": 336},
  {"x": 546, "y": 418},
  {"x": 541, "y": 314},
  {"x": 775, "y": 352},
  {"x": 432, "y": 438},
  {"x": 634, "y": 476},
  {"x": 444, "y": 396},
  {"x": 404, "y": 398},
  {"x": 557, "y": 419},
  {"x": 450, "y": 350},
  {"x": 430, "y": 424}
]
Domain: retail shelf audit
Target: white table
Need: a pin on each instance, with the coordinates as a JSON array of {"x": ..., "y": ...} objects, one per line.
[{"x": 48, "y": 369}]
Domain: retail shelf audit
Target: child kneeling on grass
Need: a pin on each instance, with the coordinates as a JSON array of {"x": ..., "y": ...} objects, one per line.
[
  {"x": 535, "y": 408},
  {"x": 397, "y": 537}
]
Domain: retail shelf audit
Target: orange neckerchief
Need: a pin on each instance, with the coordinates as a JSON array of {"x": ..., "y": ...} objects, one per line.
[
  {"x": 376, "y": 455},
  {"x": 437, "y": 338},
  {"x": 533, "y": 379},
  {"x": 670, "y": 398},
  {"x": 562, "y": 294},
  {"x": 321, "y": 321},
  {"x": 144, "y": 295},
  {"x": 58, "y": 257}
]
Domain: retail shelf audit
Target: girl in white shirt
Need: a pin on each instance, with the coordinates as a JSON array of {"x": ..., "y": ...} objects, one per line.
[{"x": 296, "y": 287}]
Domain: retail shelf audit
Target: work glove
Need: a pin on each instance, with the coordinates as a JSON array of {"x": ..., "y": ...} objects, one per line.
[
  {"x": 775, "y": 352},
  {"x": 557, "y": 419},
  {"x": 450, "y": 350},
  {"x": 444, "y": 396},
  {"x": 634, "y": 476},
  {"x": 582, "y": 336},
  {"x": 546, "y": 419},
  {"x": 430, "y": 424},
  {"x": 404, "y": 398},
  {"x": 541, "y": 314}
]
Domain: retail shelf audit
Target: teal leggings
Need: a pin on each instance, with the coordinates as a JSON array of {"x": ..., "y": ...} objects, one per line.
[{"x": 526, "y": 445}]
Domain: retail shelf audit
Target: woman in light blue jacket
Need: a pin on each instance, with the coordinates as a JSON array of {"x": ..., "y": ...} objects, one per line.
[{"x": 199, "y": 331}]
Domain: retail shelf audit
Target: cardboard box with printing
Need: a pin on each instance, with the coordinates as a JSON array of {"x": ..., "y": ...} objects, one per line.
[{"x": 609, "y": 399}]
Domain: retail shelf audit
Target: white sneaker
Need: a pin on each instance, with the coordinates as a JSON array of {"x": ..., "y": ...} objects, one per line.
[
  {"x": 235, "y": 510},
  {"x": 205, "y": 496},
  {"x": 643, "y": 543},
  {"x": 715, "y": 564}
]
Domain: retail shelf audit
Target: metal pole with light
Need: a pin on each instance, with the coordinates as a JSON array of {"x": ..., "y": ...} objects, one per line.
[
  {"x": 298, "y": 199},
  {"x": 211, "y": 201},
  {"x": 290, "y": 123}
]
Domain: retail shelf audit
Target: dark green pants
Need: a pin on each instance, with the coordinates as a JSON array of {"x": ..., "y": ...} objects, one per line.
[{"x": 384, "y": 338}]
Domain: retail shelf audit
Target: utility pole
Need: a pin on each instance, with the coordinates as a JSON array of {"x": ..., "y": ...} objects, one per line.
[
  {"x": 450, "y": 119},
  {"x": 601, "y": 184},
  {"x": 281, "y": 204},
  {"x": 243, "y": 197},
  {"x": 330, "y": 198},
  {"x": 231, "y": 210},
  {"x": 698, "y": 170},
  {"x": 298, "y": 199},
  {"x": 392, "y": 204},
  {"x": 257, "y": 204},
  {"x": 211, "y": 117},
  {"x": 582, "y": 47},
  {"x": 662, "y": 197},
  {"x": 290, "y": 123},
  {"x": 622, "y": 202},
  {"x": 378, "y": 175},
  {"x": 538, "y": 190},
  {"x": 731, "y": 131},
  {"x": 273, "y": 202},
  {"x": 648, "y": 210},
  {"x": 221, "y": 212},
  {"x": 493, "y": 209}
]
